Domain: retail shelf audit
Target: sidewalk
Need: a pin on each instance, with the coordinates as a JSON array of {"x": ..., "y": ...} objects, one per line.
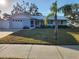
[{"x": 39, "y": 51}]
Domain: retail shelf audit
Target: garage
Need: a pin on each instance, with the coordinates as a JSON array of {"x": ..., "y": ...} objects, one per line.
[
  {"x": 16, "y": 24},
  {"x": 19, "y": 21}
]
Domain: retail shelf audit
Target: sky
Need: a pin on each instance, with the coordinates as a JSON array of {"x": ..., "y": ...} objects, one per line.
[{"x": 43, "y": 5}]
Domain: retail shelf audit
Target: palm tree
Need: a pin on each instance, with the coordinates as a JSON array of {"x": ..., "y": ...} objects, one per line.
[
  {"x": 66, "y": 9},
  {"x": 76, "y": 8},
  {"x": 70, "y": 11},
  {"x": 53, "y": 12}
]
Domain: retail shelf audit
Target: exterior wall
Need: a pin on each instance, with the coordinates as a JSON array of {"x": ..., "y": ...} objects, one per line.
[
  {"x": 51, "y": 22},
  {"x": 4, "y": 24},
  {"x": 26, "y": 23},
  {"x": 16, "y": 25},
  {"x": 60, "y": 22},
  {"x": 19, "y": 23},
  {"x": 32, "y": 24},
  {"x": 39, "y": 23}
]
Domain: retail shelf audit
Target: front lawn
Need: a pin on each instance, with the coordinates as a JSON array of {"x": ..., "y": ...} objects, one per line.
[{"x": 43, "y": 36}]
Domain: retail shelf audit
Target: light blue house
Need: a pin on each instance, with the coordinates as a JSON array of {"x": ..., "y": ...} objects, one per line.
[{"x": 21, "y": 20}]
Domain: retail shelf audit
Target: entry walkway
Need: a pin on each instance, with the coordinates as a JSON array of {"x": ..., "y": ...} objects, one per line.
[
  {"x": 5, "y": 32},
  {"x": 39, "y": 51}
]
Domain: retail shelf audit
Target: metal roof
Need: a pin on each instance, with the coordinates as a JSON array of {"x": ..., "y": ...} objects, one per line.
[{"x": 50, "y": 18}]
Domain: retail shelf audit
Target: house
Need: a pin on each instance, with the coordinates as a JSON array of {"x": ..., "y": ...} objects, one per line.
[
  {"x": 39, "y": 21},
  {"x": 21, "y": 20}
]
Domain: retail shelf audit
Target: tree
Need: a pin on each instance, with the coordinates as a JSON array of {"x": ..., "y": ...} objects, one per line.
[
  {"x": 71, "y": 11},
  {"x": 34, "y": 10},
  {"x": 75, "y": 7},
  {"x": 53, "y": 12},
  {"x": 66, "y": 9},
  {"x": 6, "y": 16},
  {"x": 75, "y": 11},
  {"x": 38, "y": 14},
  {"x": 26, "y": 7},
  {"x": 17, "y": 9}
]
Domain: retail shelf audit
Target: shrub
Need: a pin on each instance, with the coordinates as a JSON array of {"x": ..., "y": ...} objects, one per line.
[{"x": 25, "y": 27}]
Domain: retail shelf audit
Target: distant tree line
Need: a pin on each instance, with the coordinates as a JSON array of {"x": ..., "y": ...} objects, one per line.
[
  {"x": 26, "y": 7},
  {"x": 71, "y": 11}
]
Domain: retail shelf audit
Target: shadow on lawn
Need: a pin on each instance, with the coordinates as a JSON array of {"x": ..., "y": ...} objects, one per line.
[
  {"x": 48, "y": 36},
  {"x": 76, "y": 30},
  {"x": 73, "y": 47}
]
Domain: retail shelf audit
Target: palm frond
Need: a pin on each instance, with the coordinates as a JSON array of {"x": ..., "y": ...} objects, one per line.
[
  {"x": 46, "y": 18},
  {"x": 54, "y": 7}
]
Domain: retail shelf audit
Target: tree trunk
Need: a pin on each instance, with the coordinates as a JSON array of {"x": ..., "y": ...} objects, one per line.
[{"x": 56, "y": 28}]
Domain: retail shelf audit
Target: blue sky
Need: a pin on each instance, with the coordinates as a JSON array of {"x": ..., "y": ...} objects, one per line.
[{"x": 43, "y": 5}]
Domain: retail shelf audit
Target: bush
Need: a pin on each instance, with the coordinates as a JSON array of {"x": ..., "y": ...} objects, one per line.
[
  {"x": 63, "y": 26},
  {"x": 25, "y": 27},
  {"x": 47, "y": 26},
  {"x": 60, "y": 26}
]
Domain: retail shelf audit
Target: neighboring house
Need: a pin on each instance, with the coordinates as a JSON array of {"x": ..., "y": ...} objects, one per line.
[{"x": 19, "y": 21}]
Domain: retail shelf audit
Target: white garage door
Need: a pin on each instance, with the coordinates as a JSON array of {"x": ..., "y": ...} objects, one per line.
[{"x": 17, "y": 25}]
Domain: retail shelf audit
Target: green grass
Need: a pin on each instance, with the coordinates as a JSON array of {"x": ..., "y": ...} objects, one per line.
[{"x": 43, "y": 36}]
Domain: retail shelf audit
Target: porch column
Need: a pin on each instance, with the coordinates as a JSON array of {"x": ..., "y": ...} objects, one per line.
[{"x": 34, "y": 23}]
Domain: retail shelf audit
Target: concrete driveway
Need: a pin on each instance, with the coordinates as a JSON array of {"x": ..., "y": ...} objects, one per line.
[
  {"x": 5, "y": 32},
  {"x": 39, "y": 51}
]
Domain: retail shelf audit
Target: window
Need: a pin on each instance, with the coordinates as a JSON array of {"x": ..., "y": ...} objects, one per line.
[
  {"x": 61, "y": 22},
  {"x": 32, "y": 23},
  {"x": 21, "y": 20},
  {"x": 50, "y": 22},
  {"x": 13, "y": 20},
  {"x": 36, "y": 22}
]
